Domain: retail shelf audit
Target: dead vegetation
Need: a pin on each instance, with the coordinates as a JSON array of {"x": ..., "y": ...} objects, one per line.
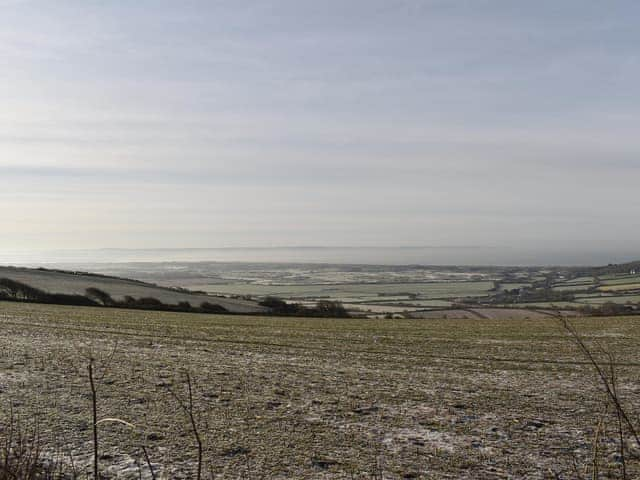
[{"x": 615, "y": 414}]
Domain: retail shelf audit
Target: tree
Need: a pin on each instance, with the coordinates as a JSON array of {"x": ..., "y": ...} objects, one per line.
[
  {"x": 329, "y": 308},
  {"x": 99, "y": 296},
  {"x": 207, "y": 307}
]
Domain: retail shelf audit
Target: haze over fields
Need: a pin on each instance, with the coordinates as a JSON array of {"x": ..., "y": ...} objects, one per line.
[
  {"x": 509, "y": 127},
  {"x": 98, "y": 259}
]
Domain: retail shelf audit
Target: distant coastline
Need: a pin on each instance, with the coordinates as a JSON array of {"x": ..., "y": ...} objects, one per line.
[{"x": 472, "y": 255}]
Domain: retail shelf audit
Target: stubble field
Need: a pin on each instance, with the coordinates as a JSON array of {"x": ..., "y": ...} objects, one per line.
[{"x": 315, "y": 398}]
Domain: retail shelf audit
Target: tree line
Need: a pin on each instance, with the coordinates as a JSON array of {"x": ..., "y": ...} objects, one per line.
[{"x": 13, "y": 290}]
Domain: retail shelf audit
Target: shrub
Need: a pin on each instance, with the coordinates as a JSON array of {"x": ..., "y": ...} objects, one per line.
[
  {"x": 207, "y": 307},
  {"x": 99, "y": 296}
]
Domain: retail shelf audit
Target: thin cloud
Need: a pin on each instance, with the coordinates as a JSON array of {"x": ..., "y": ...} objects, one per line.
[{"x": 450, "y": 122}]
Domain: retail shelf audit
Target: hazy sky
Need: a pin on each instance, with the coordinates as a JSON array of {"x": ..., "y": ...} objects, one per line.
[{"x": 236, "y": 123}]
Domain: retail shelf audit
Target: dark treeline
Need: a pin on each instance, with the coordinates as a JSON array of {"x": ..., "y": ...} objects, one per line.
[
  {"x": 324, "y": 308},
  {"x": 18, "y": 291},
  {"x": 12, "y": 290},
  {"x": 610, "y": 309},
  {"x": 524, "y": 295},
  {"x": 15, "y": 291}
]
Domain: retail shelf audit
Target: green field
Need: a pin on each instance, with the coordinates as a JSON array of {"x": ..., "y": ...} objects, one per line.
[
  {"x": 620, "y": 287},
  {"x": 566, "y": 287},
  {"x": 622, "y": 280},
  {"x": 558, "y": 304},
  {"x": 613, "y": 298},
  {"x": 582, "y": 280},
  {"x": 314, "y": 398},
  {"x": 429, "y": 290},
  {"x": 620, "y": 276},
  {"x": 512, "y": 285}
]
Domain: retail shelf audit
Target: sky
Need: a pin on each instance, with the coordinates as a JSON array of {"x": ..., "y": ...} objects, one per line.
[{"x": 164, "y": 124}]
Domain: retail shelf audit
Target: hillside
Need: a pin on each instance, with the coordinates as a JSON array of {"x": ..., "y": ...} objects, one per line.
[{"x": 76, "y": 283}]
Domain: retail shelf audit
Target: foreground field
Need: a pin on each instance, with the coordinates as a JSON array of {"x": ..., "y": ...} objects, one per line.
[{"x": 315, "y": 398}]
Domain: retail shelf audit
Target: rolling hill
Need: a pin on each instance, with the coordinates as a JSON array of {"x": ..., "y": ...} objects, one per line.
[{"x": 76, "y": 283}]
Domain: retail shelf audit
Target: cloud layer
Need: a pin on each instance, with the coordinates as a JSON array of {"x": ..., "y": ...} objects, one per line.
[{"x": 204, "y": 124}]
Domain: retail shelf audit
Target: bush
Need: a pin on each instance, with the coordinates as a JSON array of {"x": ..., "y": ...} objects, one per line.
[
  {"x": 21, "y": 291},
  {"x": 18, "y": 291},
  {"x": 150, "y": 302},
  {"x": 324, "y": 308},
  {"x": 184, "y": 307},
  {"x": 327, "y": 308},
  {"x": 100, "y": 296},
  {"x": 207, "y": 307}
]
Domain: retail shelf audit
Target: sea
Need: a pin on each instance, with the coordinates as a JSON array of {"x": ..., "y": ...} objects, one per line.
[{"x": 349, "y": 255}]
